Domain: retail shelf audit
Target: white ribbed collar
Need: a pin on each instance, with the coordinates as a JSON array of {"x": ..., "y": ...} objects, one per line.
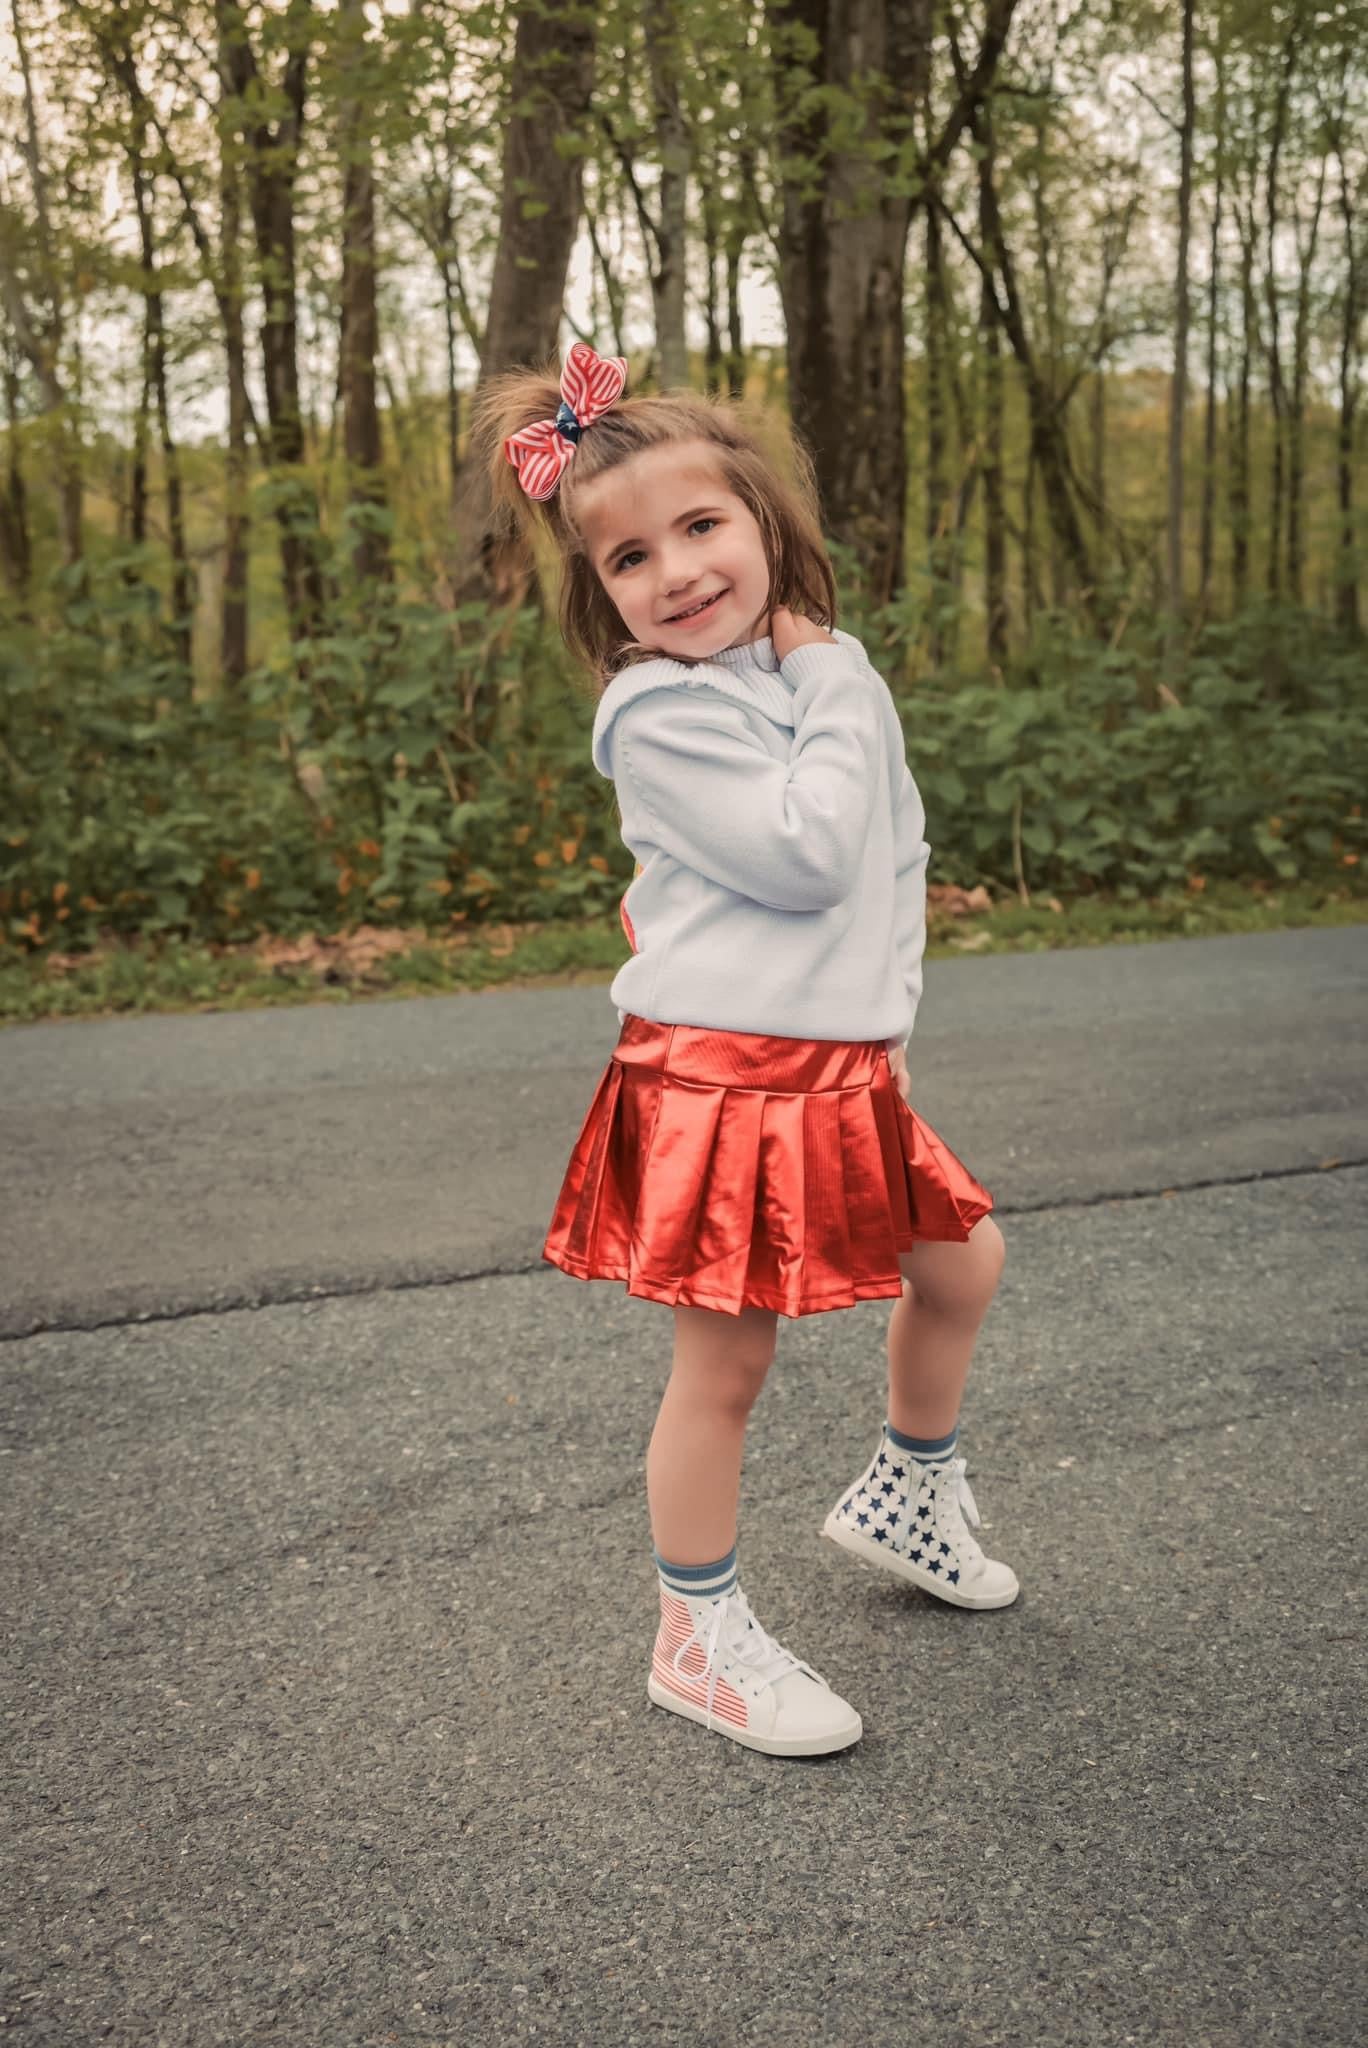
[
  {"x": 754, "y": 654},
  {"x": 749, "y": 675}
]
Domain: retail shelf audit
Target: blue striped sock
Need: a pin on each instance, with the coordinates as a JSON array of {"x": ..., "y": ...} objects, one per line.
[
  {"x": 927, "y": 1450},
  {"x": 699, "y": 1581}
]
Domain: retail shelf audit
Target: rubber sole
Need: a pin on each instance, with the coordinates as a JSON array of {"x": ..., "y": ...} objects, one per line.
[
  {"x": 902, "y": 1568},
  {"x": 792, "y": 1745}
]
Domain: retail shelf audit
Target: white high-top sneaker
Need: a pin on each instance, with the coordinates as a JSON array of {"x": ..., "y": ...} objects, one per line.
[
  {"x": 714, "y": 1664},
  {"x": 909, "y": 1519}
]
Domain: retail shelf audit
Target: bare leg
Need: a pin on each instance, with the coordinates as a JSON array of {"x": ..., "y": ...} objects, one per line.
[
  {"x": 947, "y": 1289},
  {"x": 693, "y": 1464}
]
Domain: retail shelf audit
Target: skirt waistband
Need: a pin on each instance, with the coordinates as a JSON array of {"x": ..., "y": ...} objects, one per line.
[{"x": 748, "y": 1059}]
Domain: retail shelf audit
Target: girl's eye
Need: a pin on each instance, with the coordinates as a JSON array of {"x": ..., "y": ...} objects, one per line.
[{"x": 631, "y": 554}]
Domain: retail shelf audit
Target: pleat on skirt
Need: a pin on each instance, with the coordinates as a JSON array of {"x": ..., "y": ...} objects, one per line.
[{"x": 731, "y": 1170}]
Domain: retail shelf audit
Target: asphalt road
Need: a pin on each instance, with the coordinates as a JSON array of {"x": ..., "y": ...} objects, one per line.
[{"x": 325, "y": 1567}]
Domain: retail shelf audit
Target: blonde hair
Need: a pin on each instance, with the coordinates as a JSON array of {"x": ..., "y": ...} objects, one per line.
[{"x": 766, "y": 466}]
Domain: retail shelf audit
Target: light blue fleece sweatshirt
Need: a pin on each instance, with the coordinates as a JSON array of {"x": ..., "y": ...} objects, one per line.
[{"x": 780, "y": 836}]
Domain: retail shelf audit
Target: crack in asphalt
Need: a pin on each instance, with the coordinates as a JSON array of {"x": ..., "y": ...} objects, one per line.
[{"x": 309, "y": 1293}]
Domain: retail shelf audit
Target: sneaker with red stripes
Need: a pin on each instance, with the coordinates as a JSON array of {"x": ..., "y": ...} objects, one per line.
[{"x": 714, "y": 1664}]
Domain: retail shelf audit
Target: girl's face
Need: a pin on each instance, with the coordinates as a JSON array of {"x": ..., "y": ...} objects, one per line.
[{"x": 665, "y": 536}]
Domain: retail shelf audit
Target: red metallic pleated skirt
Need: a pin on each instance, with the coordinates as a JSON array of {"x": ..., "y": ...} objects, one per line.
[{"x": 729, "y": 1170}]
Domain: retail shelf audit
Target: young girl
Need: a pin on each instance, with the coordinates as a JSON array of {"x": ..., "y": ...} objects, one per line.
[{"x": 751, "y": 1150}]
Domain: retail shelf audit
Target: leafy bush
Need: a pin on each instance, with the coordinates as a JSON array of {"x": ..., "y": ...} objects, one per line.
[
  {"x": 430, "y": 767},
  {"x": 1089, "y": 771}
]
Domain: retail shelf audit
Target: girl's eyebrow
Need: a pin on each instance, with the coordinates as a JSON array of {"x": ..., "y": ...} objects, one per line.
[{"x": 683, "y": 520}]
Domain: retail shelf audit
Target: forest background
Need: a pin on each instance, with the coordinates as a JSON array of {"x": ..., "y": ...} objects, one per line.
[{"x": 1067, "y": 303}]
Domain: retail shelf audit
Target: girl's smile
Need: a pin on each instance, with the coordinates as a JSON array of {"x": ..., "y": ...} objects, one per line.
[{"x": 696, "y": 613}]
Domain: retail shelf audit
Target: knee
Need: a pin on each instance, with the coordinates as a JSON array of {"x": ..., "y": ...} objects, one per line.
[
  {"x": 990, "y": 1256},
  {"x": 724, "y": 1360},
  {"x": 958, "y": 1280},
  {"x": 727, "y": 1385},
  {"x": 740, "y": 1381}
]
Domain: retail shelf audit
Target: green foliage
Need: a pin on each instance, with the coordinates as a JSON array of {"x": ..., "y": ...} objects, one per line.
[
  {"x": 1086, "y": 769},
  {"x": 429, "y": 768}
]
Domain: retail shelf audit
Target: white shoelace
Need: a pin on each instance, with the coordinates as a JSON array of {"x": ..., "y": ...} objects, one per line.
[
  {"x": 956, "y": 1496},
  {"x": 735, "y": 1628}
]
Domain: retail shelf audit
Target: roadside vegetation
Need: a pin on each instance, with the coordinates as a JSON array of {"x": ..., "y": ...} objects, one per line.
[{"x": 132, "y": 975}]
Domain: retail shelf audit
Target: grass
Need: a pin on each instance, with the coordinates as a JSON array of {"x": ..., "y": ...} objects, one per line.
[{"x": 132, "y": 976}]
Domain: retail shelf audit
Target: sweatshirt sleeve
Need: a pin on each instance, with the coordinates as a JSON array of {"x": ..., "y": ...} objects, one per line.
[
  {"x": 911, "y": 854},
  {"x": 787, "y": 833},
  {"x": 910, "y": 857}
]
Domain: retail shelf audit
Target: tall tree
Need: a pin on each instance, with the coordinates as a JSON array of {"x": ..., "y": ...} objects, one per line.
[
  {"x": 1048, "y": 450},
  {"x": 271, "y": 164},
  {"x": 113, "y": 34},
  {"x": 1353, "y": 296},
  {"x": 1207, "y": 531},
  {"x": 233, "y": 616},
  {"x": 34, "y": 294},
  {"x": 360, "y": 325},
  {"x": 1277, "y": 386},
  {"x": 994, "y": 498},
  {"x": 549, "y": 86},
  {"x": 849, "y": 79},
  {"x": 1239, "y": 396},
  {"x": 1181, "y": 316},
  {"x": 16, "y": 545},
  {"x": 665, "y": 60}
]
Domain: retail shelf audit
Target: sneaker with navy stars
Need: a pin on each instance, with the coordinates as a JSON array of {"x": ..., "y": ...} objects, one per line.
[{"x": 909, "y": 1519}]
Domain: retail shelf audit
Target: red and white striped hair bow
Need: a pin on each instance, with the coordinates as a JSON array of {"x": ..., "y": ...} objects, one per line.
[{"x": 589, "y": 384}]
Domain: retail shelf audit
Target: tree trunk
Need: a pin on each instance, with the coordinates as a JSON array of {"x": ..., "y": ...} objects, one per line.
[
  {"x": 1239, "y": 439},
  {"x": 611, "y": 286},
  {"x": 360, "y": 335},
  {"x": 1097, "y": 481},
  {"x": 1032, "y": 595},
  {"x": 843, "y": 249},
  {"x": 549, "y": 92},
  {"x": 842, "y": 255},
  {"x": 182, "y": 581},
  {"x": 994, "y": 508},
  {"x": 453, "y": 394},
  {"x": 1355, "y": 294},
  {"x": 1207, "y": 537},
  {"x": 271, "y": 165},
  {"x": 137, "y": 468},
  {"x": 937, "y": 485},
  {"x": 16, "y": 546},
  {"x": 42, "y": 341},
  {"x": 1296, "y": 412},
  {"x": 233, "y": 619},
  {"x": 1181, "y": 311},
  {"x": 114, "y": 41},
  {"x": 1049, "y": 452},
  {"x": 660, "y": 24},
  {"x": 1277, "y": 395},
  {"x": 739, "y": 227},
  {"x": 714, "y": 368},
  {"x": 736, "y": 350}
]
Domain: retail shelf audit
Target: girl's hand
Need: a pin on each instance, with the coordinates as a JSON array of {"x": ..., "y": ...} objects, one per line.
[
  {"x": 790, "y": 629},
  {"x": 897, "y": 1060}
]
